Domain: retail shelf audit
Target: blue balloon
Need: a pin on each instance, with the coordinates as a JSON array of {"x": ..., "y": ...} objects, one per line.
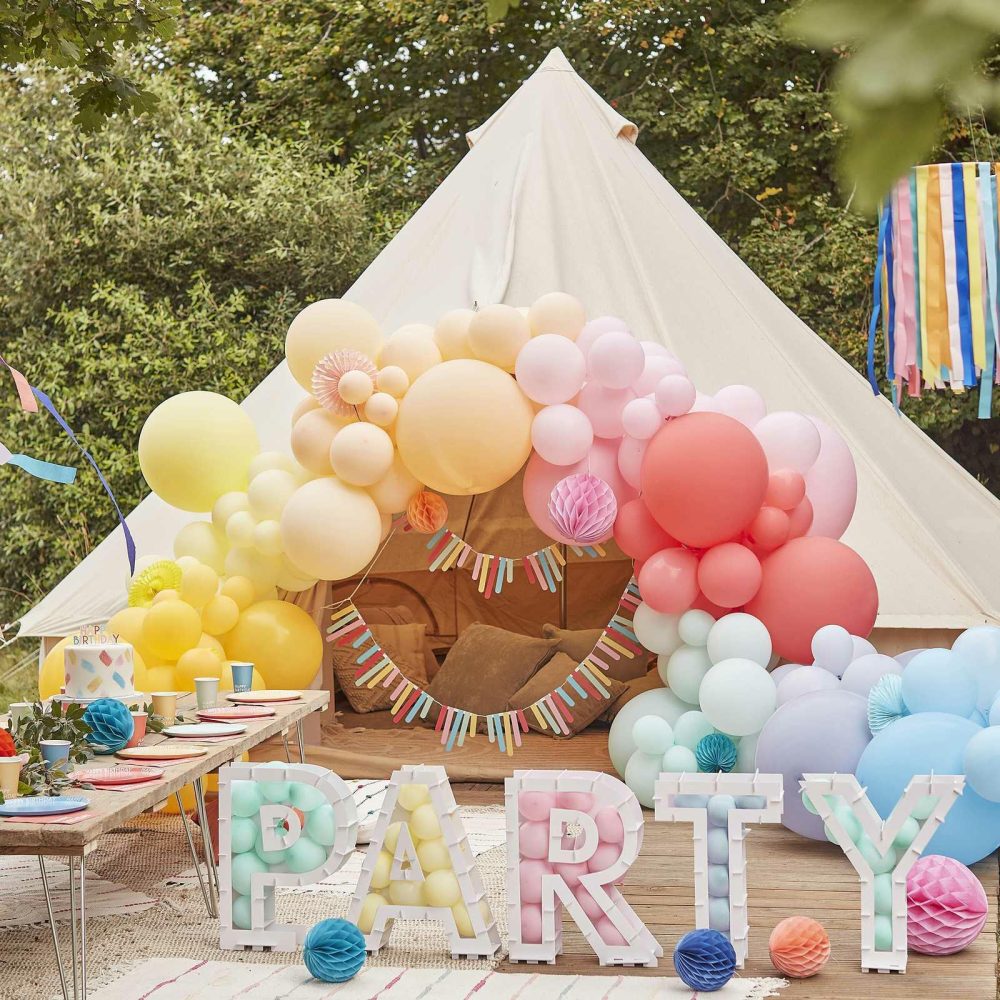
[
  {"x": 938, "y": 681},
  {"x": 994, "y": 719},
  {"x": 705, "y": 960},
  {"x": 921, "y": 744},
  {"x": 334, "y": 950},
  {"x": 982, "y": 763},
  {"x": 979, "y": 646}
]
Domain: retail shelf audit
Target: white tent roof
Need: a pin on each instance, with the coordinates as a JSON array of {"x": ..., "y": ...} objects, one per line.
[{"x": 555, "y": 195}]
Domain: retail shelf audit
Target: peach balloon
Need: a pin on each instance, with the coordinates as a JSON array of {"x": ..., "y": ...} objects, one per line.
[
  {"x": 381, "y": 409},
  {"x": 302, "y": 407},
  {"x": 558, "y": 313},
  {"x": 496, "y": 335},
  {"x": 393, "y": 380},
  {"x": 324, "y": 327},
  {"x": 395, "y": 489},
  {"x": 411, "y": 348},
  {"x": 361, "y": 454},
  {"x": 451, "y": 334},
  {"x": 312, "y": 437}
]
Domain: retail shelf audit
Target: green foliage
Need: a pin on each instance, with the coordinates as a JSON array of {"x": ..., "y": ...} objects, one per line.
[
  {"x": 49, "y": 722},
  {"x": 84, "y": 35}
]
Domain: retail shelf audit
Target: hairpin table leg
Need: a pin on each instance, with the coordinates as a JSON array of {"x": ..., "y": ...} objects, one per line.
[
  {"x": 72, "y": 927},
  {"x": 206, "y": 836},
  {"x": 194, "y": 854},
  {"x": 83, "y": 927},
  {"x": 300, "y": 734},
  {"x": 52, "y": 925},
  {"x": 288, "y": 753}
]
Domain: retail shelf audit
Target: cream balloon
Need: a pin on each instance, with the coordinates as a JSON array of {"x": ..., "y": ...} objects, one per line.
[
  {"x": 452, "y": 334},
  {"x": 558, "y": 313},
  {"x": 355, "y": 387},
  {"x": 261, "y": 570},
  {"x": 239, "y": 528},
  {"x": 411, "y": 348},
  {"x": 330, "y": 529},
  {"x": 194, "y": 447},
  {"x": 267, "y": 538},
  {"x": 361, "y": 454},
  {"x": 393, "y": 380},
  {"x": 204, "y": 542},
  {"x": 395, "y": 489},
  {"x": 303, "y": 406},
  {"x": 381, "y": 409},
  {"x": 268, "y": 460},
  {"x": 227, "y": 505},
  {"x": 464, "y": 427},
  {"x": 326, "y": 326},
  {"x": 497, "y": 333},
  {"x": 269, "y": 491},
  {"x": 293, "y": 580},
  {"x": 312, "y": 437}
]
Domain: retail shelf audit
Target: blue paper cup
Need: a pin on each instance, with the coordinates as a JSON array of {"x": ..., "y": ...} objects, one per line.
[
  {"x": 55, "y": 753},
  {"x": 242, "y": 676}
]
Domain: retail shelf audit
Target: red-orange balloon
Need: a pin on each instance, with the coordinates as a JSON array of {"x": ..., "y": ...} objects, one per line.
[
  {"x": 704, "y": 476},
  {"x": 808, "y": 583},
  {"x": 799, "y": 947},
  {"x": 668, "y": 581},
  {"x": 769, "y": 528},
  {"x": 427, "y": 512},
  {"x": 785, "y": 489},
  {"x": 729, "y": 575},
  {"x": 637, "y": 534}
]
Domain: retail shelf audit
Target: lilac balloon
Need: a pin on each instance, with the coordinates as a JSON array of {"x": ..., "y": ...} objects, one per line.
[
  {"x": 653, "y": 347},
  {"x": 561, "y": 434},
  {"x": 904, "y": 658},
  {"x": 641, "y": 418},
  {"x": 863, "y": 673},
  {"x": 594, "y": 329},
  {"x": 862, "y": 647},
  {"x": 831, "y": 484},
  {"x": 779, "y": 673},
  {"x": 703, "y": 404},
  {"x": 675, "y": 395},
  {"x": 615, "y": 360},
  {"x": 604, "y": 407},
  {"x": 819, "y": 733},
  {"x": 805, "y": 680}
]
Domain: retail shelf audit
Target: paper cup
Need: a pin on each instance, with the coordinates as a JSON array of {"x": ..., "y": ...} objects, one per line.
[
  {"x": 138, "y": 728},
  {"x": 10, "y": 771},
  {"x": 206, "y": 691},
  {"x": 242, "y": 676},
  {"x": 55, "y": 753},
  {"x": 165, "y": 706},
  {"x": 19, "y": 710}
]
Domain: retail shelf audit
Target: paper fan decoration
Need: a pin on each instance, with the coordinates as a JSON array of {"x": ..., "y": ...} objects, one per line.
[
  {"x": 583, "y": 508},
  {"x": 342, "y": 365},
  {"x": 946, "y": 906},
  {"x": 799, "y": 947},
  {"x": 427, "y": 512},
  {"x": 885, "y": 703},
  {"x": 145, "y": 585}
]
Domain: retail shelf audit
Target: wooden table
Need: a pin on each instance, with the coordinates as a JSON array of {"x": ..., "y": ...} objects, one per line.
[{"x": 110, "y": 809}]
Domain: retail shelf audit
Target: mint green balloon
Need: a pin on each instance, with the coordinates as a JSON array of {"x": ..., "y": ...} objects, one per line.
[
  {"x": 305, "y": 855},
  {"x": 246, "y": 798},
  {"x": 321, "y": 825},
  {"x": 241, "y": 913},
  {"x": 679, "y": 759},
  {"x": 243, "y": 834},
  {"x": 268, "y": 857},
  {"x": 305, "y": 797},
  {"x": 244, "y": 867},
  {"x": 275, "y": 791},
  {"x": 808, "y": 803},
  {"x": 879, "y": 863},
  {"x": 883, "y": 894},
  {"x": 848, "y": 820},
  {"x": 924, "y": 807},
  {"x": 883, "y": 933},
  {"x": 907, "y": 834},
  {"x": 690, "y": 729}
]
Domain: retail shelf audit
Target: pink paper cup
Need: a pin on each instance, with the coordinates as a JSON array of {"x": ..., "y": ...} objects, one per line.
[{"x": 138, "y": 729}]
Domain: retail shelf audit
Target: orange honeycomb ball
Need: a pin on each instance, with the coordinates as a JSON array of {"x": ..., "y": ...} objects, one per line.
[
  {"x": 799, "y": 947},
  {"x": 427, "y": 512}
]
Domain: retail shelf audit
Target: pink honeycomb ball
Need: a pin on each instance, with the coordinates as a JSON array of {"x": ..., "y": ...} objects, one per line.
[
  {"x": 530, "y": 874},
  {"x": 946, "y": 906},
  {"x": 534, "y": 840},
  {"x": 609, "y": 933},
  {"x": 571, "y": 871},
  {"x": 610, "y": 828},
  {"x": 535, "y": 806},
  {"x": 589, "y": 905},
  {"x": 581, "y": 801},
  {"x": 531, "y": 923}
]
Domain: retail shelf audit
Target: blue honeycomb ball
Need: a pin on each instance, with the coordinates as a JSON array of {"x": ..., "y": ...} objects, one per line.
[
  {"x": 715, "y": 752},
  {"x": 705, "y": 960},
  {"x": 111, "y": 724},
  {"x": 334, "y": 951}
]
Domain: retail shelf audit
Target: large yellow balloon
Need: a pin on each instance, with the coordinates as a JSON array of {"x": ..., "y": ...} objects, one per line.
[
  {"x": 393, "y": 492},
  {"x": 197, "y": 662},
  {"x": 198, "y": 584},
  {"x": 194, "y": 447},
  {"x": 411, "y": 348},
  {"x": 52, "y": 676},
  {"x": 330, "y": 529},
  {"x": 326, "y": 326},
  {"x": 280, "y": 640},
  {"x": 170, "y": 628},
  {"x": 127, "y": 625},
  {"x": 159, "y": 679},
  {"x": 464, "y": 427},
  {"x": 204, "y": 542},
  {"x": 211, "y": 643}
]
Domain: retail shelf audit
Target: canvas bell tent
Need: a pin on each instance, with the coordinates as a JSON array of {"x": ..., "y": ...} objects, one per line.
[{"x": 555, "y": 194}]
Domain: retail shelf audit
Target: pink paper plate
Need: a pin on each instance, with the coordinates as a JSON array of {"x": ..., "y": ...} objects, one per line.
[
  {"x": 230, "y": 713},
  {"x": 121, "y": 774}
]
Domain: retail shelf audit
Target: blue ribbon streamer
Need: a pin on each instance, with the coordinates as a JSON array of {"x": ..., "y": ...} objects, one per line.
[
  {"x": 988, "y": 213},
  {"x": 40, "y": 470},
  {"x": 962, "y": 274},
  {"x": 883, "y": 219}
]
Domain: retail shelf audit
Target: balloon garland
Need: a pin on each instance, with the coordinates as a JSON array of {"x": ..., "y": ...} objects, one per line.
[{"x": 552, "y": 711}]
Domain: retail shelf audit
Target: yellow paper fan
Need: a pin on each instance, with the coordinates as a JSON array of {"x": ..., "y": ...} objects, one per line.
[{"x": 162, "y": 575}]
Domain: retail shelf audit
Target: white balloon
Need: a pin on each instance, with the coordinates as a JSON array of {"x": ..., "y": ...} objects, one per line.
[
  {"x": 694, "y": 627},
  {"x": 861, "y": 647},
  {"x": 740, "y": 636},
  {"x": 684, "y": 671},
  {"x": 657, "y": 632},
  {"x": 738, "y": 696},
  {"x": 778, "y": 674}
]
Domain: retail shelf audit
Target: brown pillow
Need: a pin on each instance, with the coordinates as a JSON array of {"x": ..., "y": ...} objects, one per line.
[
  {"x": 486, "y": 666},
  {"x": 553, "y": 675},
  {"x": 404, "y": 645},
  {"x": 579, "y": 644},
  {"x": 633, "y": 688}
]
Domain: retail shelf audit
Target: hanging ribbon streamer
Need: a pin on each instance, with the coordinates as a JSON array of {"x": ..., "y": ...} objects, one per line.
[
  {"x": 553, "y": 711},
  {"x": 36, "y": 467}
]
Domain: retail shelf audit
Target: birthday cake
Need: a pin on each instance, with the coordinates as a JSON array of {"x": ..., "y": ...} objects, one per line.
[{"x": 101, "y": 670}]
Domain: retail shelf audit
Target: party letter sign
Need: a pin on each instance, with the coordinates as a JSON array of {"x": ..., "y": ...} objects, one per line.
[
  {"x": 419, "y": 866},
  {"x": 720, "y": 806},
  {"x": 572, "y": 836},
  {"x": 882, "y": 851}
]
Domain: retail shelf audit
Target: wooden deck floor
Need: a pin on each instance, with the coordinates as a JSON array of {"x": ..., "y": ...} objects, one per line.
[{"x": 787, "y": 875}]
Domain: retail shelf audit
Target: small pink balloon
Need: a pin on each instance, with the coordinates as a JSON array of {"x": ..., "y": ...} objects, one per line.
[
  {"x": 571, "y": 871},
  {"x": 549, "y": 371},
  {"x": 615, "y": 359},
  {"x": 641, "y": 418},
  {"x": 741, "y": 403},
  {"x": 703, "y": 404},
  {"x": 790, "y": 440},
  {"x": 785, "y": 489},
  {"x": 604, "y": 407},
  {"x": 589, "y": 905},
  {"x": 668, "y": 581},
  {"x": 530, "y": 876},
  {"x": 531, "y": 923},
  {"x": 800, "y": 520},
  {"x": 535, "y": 806},
  {"x": 630, "y": 454},
  {"x": 610, "y": 828},
  {"x": 651, "y": 347},
  {"x": 561, "y": 434},
  {"x": 604, "y": 857},
  {"x": 608, "y": 932},
  {"x": 581, "y": 801},
  {"x": 595, "y": 328},
  {"x": 657, "y": 366},
  {"x": 533, "y": 839},
  {"x": 831, "y": 484},
  {"x": 675, "y": 395}
]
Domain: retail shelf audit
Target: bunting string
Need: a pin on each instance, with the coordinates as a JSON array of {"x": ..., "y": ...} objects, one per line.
[{"x": 552, "y": 712}]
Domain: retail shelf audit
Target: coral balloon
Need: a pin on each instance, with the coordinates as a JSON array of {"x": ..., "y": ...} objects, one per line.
[
  {"x": 496, "y": 335},
  {"x": 413, "y": 349},
  {"x": 703, "y": 478},
  {"x": 312, "y": 437},
  {"x": 282, "y": 642},
  {"x": 330, "y": 529},
  {"x": 668, "y": 581},
  {"x": 170, "y": 628},
  {"x": 204, "y": 542},
  {"x": 812, "y": 582},
  {"x": 729, "y": 575},
  {"x": 452, "y": 334},
  {"x": 550, "y": 369},
  {"x": 447, "y": 416},
  {"x": 637, "y": 534},
  {"x": 615, "y": 359},
  {"x": 427, "y": 512},
  {"x": 561, "y": 434},
  {"x": 786, "y": 489},
  {"x": 361, "y": 454},
  {"x": 557, "y": 312},
  {"x": 325, "y": 327},
  {"x": 219, "y": 615},
  {"x": 194, "y": 447},
  {"x": 769, "y": 529},
  {"x": 800, "y": 520}
]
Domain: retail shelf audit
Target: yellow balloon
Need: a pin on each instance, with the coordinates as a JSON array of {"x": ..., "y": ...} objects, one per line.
[
  {"x": 240, "y": 589},
  {"x": 373, "y": 902},
  {"x": 166, "y": 595},
  {"x": 197, "y": 662},
  {"x": 452, "y": 334},
  {"x": 127, "y": 625},
  {"x": 464, "y": 427},
  {"x": 198, "y": 584},
  {"x": 170, "y": 628},
  {"x": 407, "y": 893},
  {"x": 267, "y": 538},
  {"x": 395, "y": 489},
  {"x": 219, "y": 615},
  {"x": 464, "y": 922},
  {"x": 204, "y": 542},
  {"x": 227, "y": 505},
  {"x": 442, "y": 889},
  {"x": 52, "y": 676},
  {"x": 424, "y": 823},
  {"x": 269, "y": 492},
  {"x": 413, "y": 796},
  {"x": 497, "y": 333},
  {"x": 330, "y": 529},
  {"x": 312, "y": 437},
  {"x": 558, "y": 313},
  {"x": 433, "y": 855},
  {"x": 361, "y": 454},
  {"x": 326, "y": 326},
  {"x": 392, "y": 380},
  {"x": 160, "y": 679},
  {"x": 282, "y": 642},
  {"x": 380, "y": 874},
  {"x": 293, "y": 580},
  {"x": 392, "y": 835},
  {"x": 210, "y": 642},
  {"x": 411, "y": 348},
  {"x": 268, "y": 460},
  {"x": 261, "y": 570},
  {"x": 194, "y": 447}
]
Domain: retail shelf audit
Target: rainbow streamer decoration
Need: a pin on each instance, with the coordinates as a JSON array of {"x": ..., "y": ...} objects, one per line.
[
  {"x": 936, "y": 287},
  {"x": 553, "y": 711}
]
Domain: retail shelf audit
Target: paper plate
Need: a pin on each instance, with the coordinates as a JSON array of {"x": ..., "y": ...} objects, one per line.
[
  {"x": 120, "y": 774},
  {"x": 262, "y": 697},
  {"x": 233, "y": 713},
  {"x": 127, "y": 696},
  {"x": 43, "y": 805},
  {"x": 203, "y": 730},
  {"x": 162, "y": 751}
]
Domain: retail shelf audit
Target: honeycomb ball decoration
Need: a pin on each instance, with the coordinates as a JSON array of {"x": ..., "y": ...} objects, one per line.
[
  {"x": 110, "y": 724},
  {"x": 427, "y": 512},
  {"x": 583, "y": 508},
  {"x": 946, "y": 906},
  {"x": 334, "y": 951},
  {"x": 715, "y": 752},
  {"x": 705, "y": 960},
  {"x": 799, "y": 947}
]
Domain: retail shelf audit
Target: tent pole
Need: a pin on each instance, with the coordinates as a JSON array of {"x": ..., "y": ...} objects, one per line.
[{"x": 562, "y": 588}]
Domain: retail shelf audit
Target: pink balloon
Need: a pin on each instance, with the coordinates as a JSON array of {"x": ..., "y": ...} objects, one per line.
[
  {"x": 571, "y": 871},
  {"x": 530, "y": 876},
  {"x": 637, "y": 533},
  {"x": 729, "y": 575},
  {"x": 535, "y": 806},
  {"x": 703, "y": 404},
  {"x": 580, "y": 801},
  {"x": 531, "y": 923},
  {"x": 790, "y": 440},
  {"x": 741, "y": 403},
  {"x": 610, "y": 828},
  {"x": 653, "y": 347},
  {"x": 604, "y": 857},
  {"x": 588, "y": 904},
  {"x": 657, "y": 366},
  {"x": 596, "y": 327},
  {"x": 630, "y": 455},
  {"x": 609, "y": 933},
  {"x": 549, "y": 371},
  {"x": 831, "y": 484},
  {"x": 675, "y": 395},
  {"x": 641, "y": 418},
  {"x": 800, "y": 519},
  {"x": 534, "y": 840},
  {"x": 615, "y": 359},
  {"x": 668, "y": 581},
  {"x": 561, "y": 434},
  {"x": 604, "y": 407}
]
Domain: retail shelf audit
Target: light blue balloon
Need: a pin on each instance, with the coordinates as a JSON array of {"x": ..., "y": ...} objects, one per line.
[
  {"x": 883, "y": 933},
  {"x": 246, "y": 798},
  {"x": 691, "y": 728},
  {"x": 652, "y": 735},
  {"x": 641, "y": 773},
  {"x": 241, "y": 912},
  {"x": 979, "y": 647},
  {"x": 321, "y": 825},
  {"x": 659, "y": 701},
  {"x": 680, "y": 760},
  {"x": 718, "y": 846},
  {"x": 244, "y": 867},
  {"x": 243, "y": 835},
  {"x": 718, "y": 915},
  {"x": 268, "y": 857},
  {"x": 923, "y": 744},
  {"x": 939, "y": 681},
  {"x": 982, "y": 763},
  {"x": 718, "y": 809},
  {"x": 305, "y": 855},
  {"x": 305, "y": 797},
  {"x": 718, "y": 881},
  {"x": 994, "y": 717},
  {"x": 691, "y": 801},
  {"x": 751, "y": 801},
  {"x": 883, "y": 894}
]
